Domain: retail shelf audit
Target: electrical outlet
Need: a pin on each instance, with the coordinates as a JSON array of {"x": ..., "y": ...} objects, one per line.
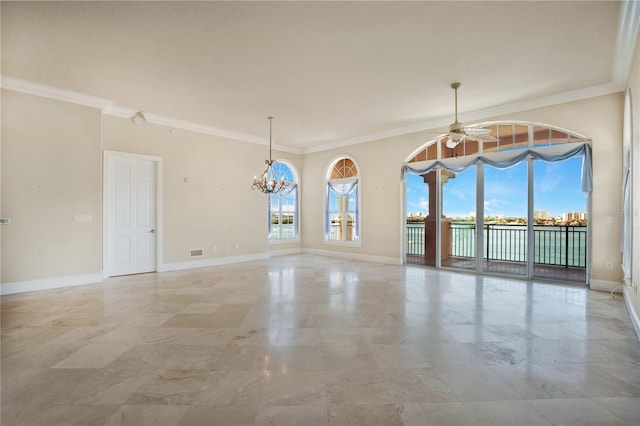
[{"x": 609, "y": 265}]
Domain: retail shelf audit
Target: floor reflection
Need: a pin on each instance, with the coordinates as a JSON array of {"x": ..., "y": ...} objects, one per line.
[{"x": 317, "y": 340}]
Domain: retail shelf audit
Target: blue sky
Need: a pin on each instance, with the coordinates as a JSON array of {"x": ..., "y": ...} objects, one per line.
[{"x": 556, "y": 189}]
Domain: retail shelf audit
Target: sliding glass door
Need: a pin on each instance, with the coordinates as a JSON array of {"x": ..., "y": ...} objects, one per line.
[
  {"x": 458, "y": 223},
  {"x": 505, "y": 220},
  {"x": 416, "y": 216},
  {"x": 560, "y": 221}
]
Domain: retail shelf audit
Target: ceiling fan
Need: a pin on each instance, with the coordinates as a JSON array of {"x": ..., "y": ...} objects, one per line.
[{"x": 458, "y": 132}]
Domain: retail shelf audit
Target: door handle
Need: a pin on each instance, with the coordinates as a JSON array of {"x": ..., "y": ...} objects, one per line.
[{"x": 152, "y": 231}]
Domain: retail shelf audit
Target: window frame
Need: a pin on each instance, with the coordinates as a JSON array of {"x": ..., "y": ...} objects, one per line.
[
  {"x": 418, "y": 162},
  {"x": 296, "y": 212},
  {"x": 345, "y": 211}
]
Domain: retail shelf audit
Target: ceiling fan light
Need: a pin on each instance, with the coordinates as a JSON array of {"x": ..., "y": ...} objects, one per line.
[{"x": 450, "y": 143}]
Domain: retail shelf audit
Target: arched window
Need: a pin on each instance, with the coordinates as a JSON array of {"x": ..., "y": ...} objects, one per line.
[
  {"x": 516, "y": 205},
  {"x": 511, "y": 136},
  {"x": 283, "y": 206},
  {"x": 342, "y": 217}
]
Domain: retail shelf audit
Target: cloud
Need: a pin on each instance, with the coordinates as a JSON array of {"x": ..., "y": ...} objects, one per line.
[
  {"x": 456, "y": 193},
  {"x": 549, "y": 183},
  {"x": 551, "y": 178},
  {"x": 504, "y": 188},
  {"x": 415, "y": 205},
  {"x": 552, "y": 167}
]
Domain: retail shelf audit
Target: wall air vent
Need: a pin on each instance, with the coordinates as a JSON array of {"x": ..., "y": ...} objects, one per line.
[{"x": 196, "y": 252}]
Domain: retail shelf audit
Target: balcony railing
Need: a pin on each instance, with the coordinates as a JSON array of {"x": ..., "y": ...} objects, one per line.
[{"x": 562, "y": 245}]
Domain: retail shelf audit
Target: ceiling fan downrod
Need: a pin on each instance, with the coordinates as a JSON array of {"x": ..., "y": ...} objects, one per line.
[{"x": 455, "y": 86}]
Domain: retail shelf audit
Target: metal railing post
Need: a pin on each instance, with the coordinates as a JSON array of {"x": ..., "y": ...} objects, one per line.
[
  {"x": 487, "y": 242},
  {"x": 566, "y": 246}
]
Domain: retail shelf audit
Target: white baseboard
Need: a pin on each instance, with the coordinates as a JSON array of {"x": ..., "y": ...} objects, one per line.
[
  {"x": 635, "y": 320},
  {"x": 216, "y": 261},
  {"x": 604, "y": 285},
  {"x": 354, "y": 256},
  {"x": 285, "y": 252},
  {"x": 50, "y": 283}
]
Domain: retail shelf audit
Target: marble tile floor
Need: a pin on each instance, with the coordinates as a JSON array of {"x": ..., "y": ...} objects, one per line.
[{"x": 318, "y": 341}]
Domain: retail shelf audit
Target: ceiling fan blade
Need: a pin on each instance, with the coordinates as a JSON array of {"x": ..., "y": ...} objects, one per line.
[
  {"x": 483, "y": 138},
  {"x": 458, "y": 132},
  {"x": 477, "y": 131}
]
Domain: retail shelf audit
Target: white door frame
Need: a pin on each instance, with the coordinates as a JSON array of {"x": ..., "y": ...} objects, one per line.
[{"x": 105, "y": 205}]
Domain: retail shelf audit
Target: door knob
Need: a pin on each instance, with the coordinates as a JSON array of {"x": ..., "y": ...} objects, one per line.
[{"x": 152, "y": 231}]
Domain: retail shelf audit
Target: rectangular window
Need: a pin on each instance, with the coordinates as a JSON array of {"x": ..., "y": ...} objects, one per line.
[
  {"x": 342, "y": 212},
  {"x": 283, "y": 218}
]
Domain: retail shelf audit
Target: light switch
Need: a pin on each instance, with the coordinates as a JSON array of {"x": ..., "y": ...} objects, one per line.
[{"x": 82, "y": 218}]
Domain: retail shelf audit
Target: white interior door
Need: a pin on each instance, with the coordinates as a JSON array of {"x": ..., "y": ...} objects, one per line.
[{"x": 131, "y": 216}]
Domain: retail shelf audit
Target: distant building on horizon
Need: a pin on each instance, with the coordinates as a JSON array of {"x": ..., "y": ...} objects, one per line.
[
  {"x": 574, "y": 217},
  {"x": 541, "y": 214}
]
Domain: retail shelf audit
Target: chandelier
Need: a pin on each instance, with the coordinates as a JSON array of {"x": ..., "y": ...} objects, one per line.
[{"x": 268, "y": 182}]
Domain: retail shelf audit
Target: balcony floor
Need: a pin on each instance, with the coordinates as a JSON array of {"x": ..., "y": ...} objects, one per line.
[{"x": 542, "y": 272}]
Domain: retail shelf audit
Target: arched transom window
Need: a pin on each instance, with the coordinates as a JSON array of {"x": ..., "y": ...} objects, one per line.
[
  {"x": 511, "y": 136},
  {"x": 344, "y": 168}
]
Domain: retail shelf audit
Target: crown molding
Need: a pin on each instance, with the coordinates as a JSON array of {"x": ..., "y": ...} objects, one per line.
[
  {"x": 108, "y": 107},
  {"x": 174, "y": 123},
  {"x": 124, "y": 112},
  {"x": 626, "y": 39},
  {"x": 438, "y": 123},
  {"x": 50, "y": 92}
]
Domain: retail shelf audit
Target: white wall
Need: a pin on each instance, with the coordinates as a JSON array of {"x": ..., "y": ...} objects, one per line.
[
  {"x": 51, "y": 171},
  {"x": 215, "y": 209},
  {"x": 633, "y": 293},
  {"x": 381, "y": 218},
  {"x": 52, "y": 155}
]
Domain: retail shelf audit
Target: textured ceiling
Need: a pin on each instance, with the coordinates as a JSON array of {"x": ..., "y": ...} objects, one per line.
[{"x": 330, "y": 72}]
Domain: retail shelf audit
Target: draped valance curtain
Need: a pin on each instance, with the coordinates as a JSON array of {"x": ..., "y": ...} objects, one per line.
[
  {"x": 342, "y": 188},
  {"x": 505, "y": 159}
]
